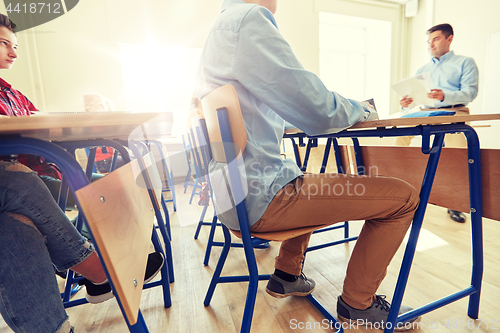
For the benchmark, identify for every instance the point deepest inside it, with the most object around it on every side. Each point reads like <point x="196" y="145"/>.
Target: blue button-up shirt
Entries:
<point x="456" y="75"/>
<point x="245" y="49"/>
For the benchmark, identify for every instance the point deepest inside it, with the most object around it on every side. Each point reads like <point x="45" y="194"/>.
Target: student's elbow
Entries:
<point x="473" y="92"/>
<point x="328" y="125"/>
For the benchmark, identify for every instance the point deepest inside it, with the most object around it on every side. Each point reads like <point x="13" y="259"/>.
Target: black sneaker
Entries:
<point x="279" y="288"/>
<point x="62" y="274"/>
<point x="374" y="316"/>
<point x="457" y="216"/>
<point x="155" y="263"/>
<point x="98" y="293"/>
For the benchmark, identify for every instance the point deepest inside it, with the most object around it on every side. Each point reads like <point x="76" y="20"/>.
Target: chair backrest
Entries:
<point x="119" y="214"/>
<point x="162" y="160"/>
<point x="192" y="125"/>
<point x="224" y="97"/>
<point x="224" y="124"/>
<point x="201" y="136"/>
<point x="187" y="148"/>
<point x="200" y="143"/>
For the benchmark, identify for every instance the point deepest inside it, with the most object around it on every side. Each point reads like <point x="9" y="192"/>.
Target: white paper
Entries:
<point x="417" y="87"/>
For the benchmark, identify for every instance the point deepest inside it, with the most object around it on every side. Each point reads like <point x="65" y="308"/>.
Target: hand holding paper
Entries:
<point x="436" y="94"/>
<point x="417" y="88"/>
<point x="405" y="101"/>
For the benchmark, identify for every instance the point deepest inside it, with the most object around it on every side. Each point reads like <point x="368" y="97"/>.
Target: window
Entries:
<point x="355" y="57"/>
<point x="158" y="78"/>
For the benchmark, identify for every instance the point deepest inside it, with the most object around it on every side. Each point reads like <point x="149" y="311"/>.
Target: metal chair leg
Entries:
<point x="210" y="241"/>
<point x="220" y="265"/>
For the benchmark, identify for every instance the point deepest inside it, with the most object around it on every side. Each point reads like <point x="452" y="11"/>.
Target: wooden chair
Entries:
<point x="198" y="152"/>
<point x="115" y="205"/>
<point x="227" y="136"/>
<point x="193" y="151"/>
<point x="187" y="149"/>
<point x="199" y="134"/>
<point x="161" y="154"/>
<point x="71" y="286"/>
<point x="153" y="183"/>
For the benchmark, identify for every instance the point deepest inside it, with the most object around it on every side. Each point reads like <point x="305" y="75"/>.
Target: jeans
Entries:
<point x="54" y="186"/>
<point x="29" y="295"/>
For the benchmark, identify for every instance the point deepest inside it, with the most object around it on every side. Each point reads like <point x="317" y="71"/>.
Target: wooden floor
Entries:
<point x="441" y="266"/>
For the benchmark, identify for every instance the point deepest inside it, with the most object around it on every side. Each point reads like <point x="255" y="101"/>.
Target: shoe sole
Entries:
<point x="402" y="329"/>
<point x="100" y="298"/>
<point x="104" y="297"/>
<point x="155" y="274"/>
<point x="295" y="293"/>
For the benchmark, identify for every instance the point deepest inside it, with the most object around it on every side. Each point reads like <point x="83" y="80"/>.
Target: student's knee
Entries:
<point x="65" y="327"/>
<point x="18" y="167"/>
<point x="403" y="190"/>
<point x="413" y="196"/>
<point x="22" y="218"/>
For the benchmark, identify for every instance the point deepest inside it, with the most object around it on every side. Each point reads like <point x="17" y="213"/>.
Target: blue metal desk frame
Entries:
<point x="475" y="192"/>
<point x="72" y="171"/>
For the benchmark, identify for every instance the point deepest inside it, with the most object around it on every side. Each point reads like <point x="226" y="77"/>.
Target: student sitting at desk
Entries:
<point x="14" y="104"/>
<point x="244" y="48"/>
<point x="36" y="235"/>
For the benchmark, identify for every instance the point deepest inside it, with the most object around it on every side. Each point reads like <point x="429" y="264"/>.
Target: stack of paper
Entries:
<point x="417" y="87"/>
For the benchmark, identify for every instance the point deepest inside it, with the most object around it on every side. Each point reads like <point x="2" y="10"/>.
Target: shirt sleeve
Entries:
<point x="468" y="85"/>
<point x="265" y="65"/>
<point x="3" y="110"/>
<point x="27" y="103"/>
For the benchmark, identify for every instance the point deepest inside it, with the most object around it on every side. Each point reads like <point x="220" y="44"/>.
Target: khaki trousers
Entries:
<point x="387" y="204"/>
<point x="451" y="140"/>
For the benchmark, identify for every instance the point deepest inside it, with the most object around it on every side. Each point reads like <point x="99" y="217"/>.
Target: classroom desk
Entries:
<point x="39" y="135"/>
<point x="85" y="125"/>
<point x="427" y="127"/>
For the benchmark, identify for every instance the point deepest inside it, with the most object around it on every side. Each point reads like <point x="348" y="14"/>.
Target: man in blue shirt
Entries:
<point x="455" y="82"/>
<point x="244" y="48"/>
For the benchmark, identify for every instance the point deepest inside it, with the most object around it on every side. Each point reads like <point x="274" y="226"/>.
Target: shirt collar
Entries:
<point x="444" y="57"/>
<point x="4" y="83"/>
<point x="227" y="3"/>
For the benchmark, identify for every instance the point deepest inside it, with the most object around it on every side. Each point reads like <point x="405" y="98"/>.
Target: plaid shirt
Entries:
<point x="13" y="103"/>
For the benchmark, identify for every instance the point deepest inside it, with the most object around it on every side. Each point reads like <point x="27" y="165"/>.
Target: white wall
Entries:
<point x="78" y="52"/>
